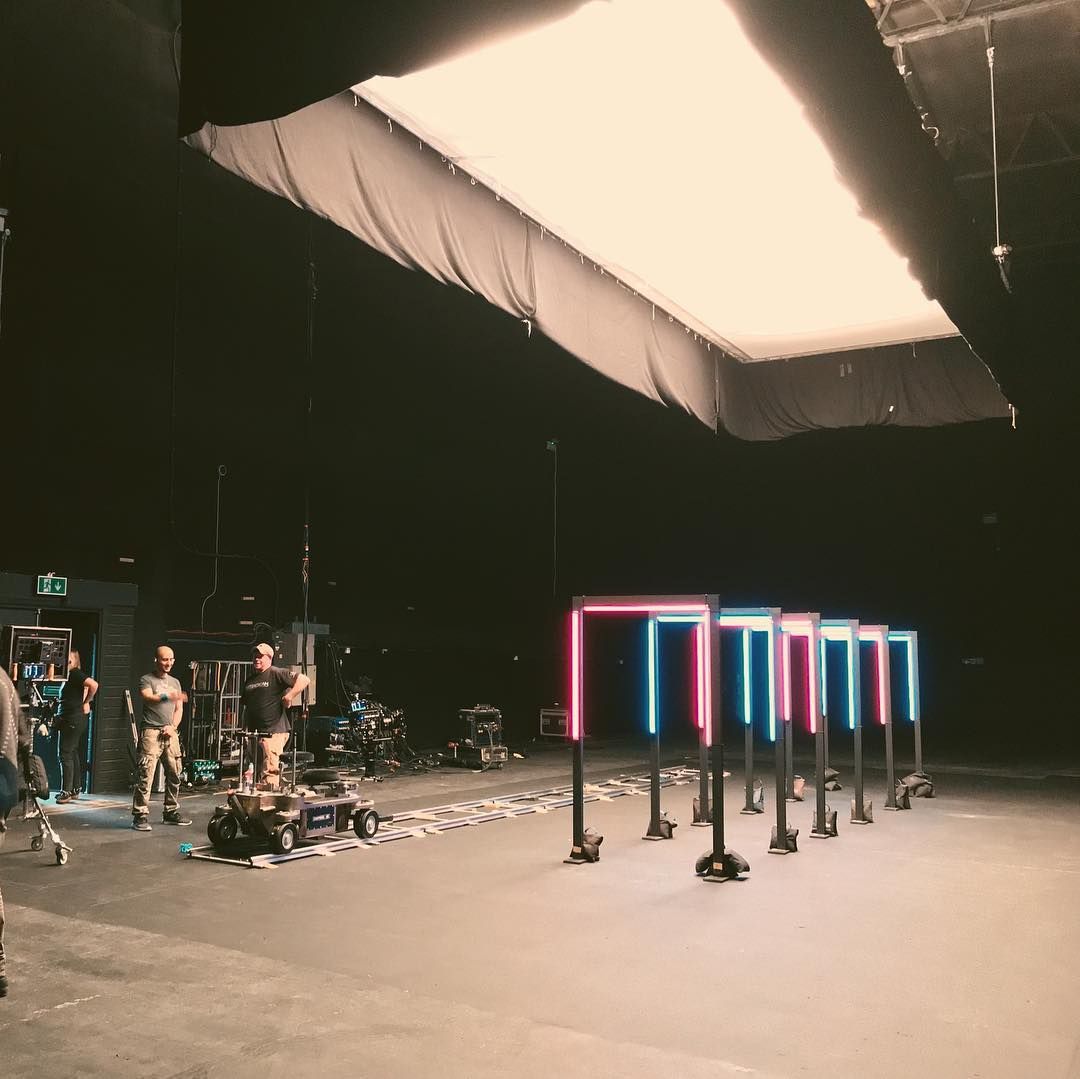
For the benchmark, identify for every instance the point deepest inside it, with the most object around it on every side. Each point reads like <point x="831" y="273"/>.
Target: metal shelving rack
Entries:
<point x="215" y="709"/>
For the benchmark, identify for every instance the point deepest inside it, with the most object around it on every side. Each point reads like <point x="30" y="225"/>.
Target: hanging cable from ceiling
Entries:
<point x="1000" y="251"/>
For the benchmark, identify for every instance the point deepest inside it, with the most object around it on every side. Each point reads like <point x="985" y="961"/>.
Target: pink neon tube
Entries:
<point x="881" y="646"/>
<point x="801" y="629"/>
<point x="643" y="608"/>
<point x="699" y="636"/>
<point x="785" y="661"/>
<point x="706" y="680"/>
<point x="575" y="675"/>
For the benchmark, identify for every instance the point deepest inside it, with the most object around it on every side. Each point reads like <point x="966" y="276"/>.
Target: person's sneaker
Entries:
<point x="141" y="824"/>
<point x="175" y="818"/>
<point x="3" y="986"/>
<point x="65" y="796"/>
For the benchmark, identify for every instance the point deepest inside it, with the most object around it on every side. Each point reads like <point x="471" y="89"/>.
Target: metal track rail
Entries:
<point x="417" y="823"/>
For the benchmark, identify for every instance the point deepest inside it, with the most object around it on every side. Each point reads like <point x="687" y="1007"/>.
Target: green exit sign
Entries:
<point x="52" y="586"/>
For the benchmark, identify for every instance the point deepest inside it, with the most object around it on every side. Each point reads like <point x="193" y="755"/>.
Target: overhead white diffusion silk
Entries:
<point x="656" y="140"/>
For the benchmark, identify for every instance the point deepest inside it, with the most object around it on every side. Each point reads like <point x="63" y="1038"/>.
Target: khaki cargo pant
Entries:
<point x="154" y="746"/>
<point x="270" y="750"/>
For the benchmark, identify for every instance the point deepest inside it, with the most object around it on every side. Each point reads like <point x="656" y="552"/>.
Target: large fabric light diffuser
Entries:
<point x="672" y="231"/>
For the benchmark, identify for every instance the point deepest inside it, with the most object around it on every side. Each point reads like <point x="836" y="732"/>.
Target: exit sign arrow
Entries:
<point x="51" y="585"/>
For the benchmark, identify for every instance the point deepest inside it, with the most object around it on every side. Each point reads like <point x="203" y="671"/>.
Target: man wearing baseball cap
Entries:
<point x="268" y="694"/>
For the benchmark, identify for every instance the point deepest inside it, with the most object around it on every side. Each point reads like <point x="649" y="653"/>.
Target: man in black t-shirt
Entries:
<point x="267" y="695"/>
<point x="79" y="690"/>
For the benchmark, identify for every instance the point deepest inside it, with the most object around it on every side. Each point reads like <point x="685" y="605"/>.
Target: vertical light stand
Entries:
<point x="656" y="830"/>
<point x="721" y="867"/>
<point x="779" y="842"/>
<point x="861" y="813"/>
<point x="824" y="823"/>
<point x="910" y="639"/>
<point x="702" y="815"/>
<point x="748" y="723"/>
<point x="789" y="763"/>
<point x="576" y="730"/>
<point x="879" y="635"/>
<point x="824" y="709"/>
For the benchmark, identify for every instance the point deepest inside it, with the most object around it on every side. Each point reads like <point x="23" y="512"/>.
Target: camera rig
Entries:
<point x="481" y="742"/>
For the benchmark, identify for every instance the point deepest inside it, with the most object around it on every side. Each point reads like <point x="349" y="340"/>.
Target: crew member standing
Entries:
<point x="9" y="782"/>
<point x="268" y="694"/>
<point x="79" y="690"/>
<point x="159" y="739"/>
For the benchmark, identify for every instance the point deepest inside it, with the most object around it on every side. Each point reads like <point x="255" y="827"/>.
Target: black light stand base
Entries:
<point x="578" y="857"/>
<point x="903" y="799"/>
<point x="729" y="867"/>
<point x="701" y="820"/>
<point x="585" y="850"/>
<point x="790" y="844"/>
<point x="758" y="803"/>
<point x="664" y="828"/>
<point x="868" y="813"/>
<point x="588" y="851"/>
<point x="919" y="785"/>
<point x="830" y="825"/>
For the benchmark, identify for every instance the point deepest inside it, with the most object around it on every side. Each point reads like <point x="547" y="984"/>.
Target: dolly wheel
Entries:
<point x="284" y="837"/>
<point x="366" y="824"/>
<point x="222" y="829"/>
<point x="37" y="843"/>
<point x="61" y="856"/>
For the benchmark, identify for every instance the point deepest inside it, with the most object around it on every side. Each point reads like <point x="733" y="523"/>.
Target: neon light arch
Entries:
<point x="687" y="609"/>
<point x="846" y="632"/>
<point x="910" y="639"/>
<point x="804" y="625"/>
<point x="756" y="620"/>
<point x="879" y="637"/>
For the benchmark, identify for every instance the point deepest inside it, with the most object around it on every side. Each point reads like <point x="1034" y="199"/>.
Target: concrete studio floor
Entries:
<point x="944" y="941"/>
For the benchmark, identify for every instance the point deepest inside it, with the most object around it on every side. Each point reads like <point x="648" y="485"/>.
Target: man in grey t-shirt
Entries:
<point x="159" y="739"/>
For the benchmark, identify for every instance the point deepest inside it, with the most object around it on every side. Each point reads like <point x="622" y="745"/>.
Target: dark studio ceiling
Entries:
<point x="940" y="47"/>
